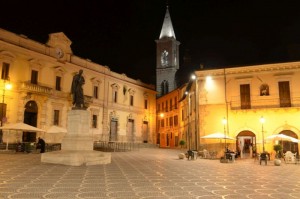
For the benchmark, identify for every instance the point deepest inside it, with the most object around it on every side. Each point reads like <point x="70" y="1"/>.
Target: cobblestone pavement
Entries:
<point x="147" y="174"/>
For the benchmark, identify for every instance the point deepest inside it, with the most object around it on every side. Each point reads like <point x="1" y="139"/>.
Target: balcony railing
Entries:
<point x="35" y="88"/>
<point x="258" y="102"/>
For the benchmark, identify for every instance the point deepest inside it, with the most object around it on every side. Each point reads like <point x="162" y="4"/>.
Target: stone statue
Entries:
<point x="77" y="91"/>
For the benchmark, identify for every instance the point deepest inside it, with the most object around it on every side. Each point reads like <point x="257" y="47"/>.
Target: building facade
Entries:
<point x="254" y="101"/>
<point x="121" y="108"/>
<point x="168" y="119"/>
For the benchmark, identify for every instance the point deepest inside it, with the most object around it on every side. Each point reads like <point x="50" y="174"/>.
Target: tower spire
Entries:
<point x="167" y="28"/>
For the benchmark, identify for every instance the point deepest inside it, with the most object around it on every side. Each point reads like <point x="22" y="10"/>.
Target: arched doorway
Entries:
<point x="246" y="144"/>
<point x="30" y="117"/>
<point x="289" y="145"/>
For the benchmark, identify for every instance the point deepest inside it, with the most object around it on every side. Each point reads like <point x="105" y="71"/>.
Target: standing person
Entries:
<point x="77" y="91"/>
<point x="41" y="144"/>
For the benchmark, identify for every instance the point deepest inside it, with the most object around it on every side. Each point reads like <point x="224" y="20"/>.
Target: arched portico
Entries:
<point x="246" y="144"/>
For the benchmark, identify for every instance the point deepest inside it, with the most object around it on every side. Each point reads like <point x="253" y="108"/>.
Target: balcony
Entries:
<point x="260" y="102"/>
<point x="35" y="88"/>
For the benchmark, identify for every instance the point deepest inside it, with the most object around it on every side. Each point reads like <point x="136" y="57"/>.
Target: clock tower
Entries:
<point x="167" y="57"/>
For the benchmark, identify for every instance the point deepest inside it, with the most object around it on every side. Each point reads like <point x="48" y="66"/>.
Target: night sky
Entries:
<point x="121" y="34"/>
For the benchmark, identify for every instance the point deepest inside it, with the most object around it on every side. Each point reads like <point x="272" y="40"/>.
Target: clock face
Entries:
<point x="164" y="58"/>
<point x="59" y="52"/>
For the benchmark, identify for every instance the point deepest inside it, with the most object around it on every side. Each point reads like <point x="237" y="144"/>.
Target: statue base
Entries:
<point x="77" y="146"/>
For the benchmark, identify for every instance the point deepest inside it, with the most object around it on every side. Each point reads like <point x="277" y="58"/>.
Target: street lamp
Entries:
<point x="262" y="121"/>
<point x="194" y="78"/>
<point x="224" y="121"/>
<point x="7" y="86"/>
<point x="159" y="126"/>
<point x="188" y="128"/>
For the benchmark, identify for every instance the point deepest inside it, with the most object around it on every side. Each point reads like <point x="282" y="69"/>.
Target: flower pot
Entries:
<point x="277" y="162"/>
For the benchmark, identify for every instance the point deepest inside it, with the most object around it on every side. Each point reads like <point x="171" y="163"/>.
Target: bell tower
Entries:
<point x="167" y="57"/>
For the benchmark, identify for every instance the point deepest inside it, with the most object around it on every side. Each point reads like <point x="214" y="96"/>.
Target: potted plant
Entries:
<point x="277" y="148"/>
<point x="181" y="143"/>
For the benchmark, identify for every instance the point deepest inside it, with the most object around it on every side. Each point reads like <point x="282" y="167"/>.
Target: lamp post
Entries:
<point x="262" y="121"/>
<point x="188" y="127"/>
<point x="6" y="86"/>
<point x="224" y="121"/>
<point x="161" y="115"/>
<point x="194" y="78"/>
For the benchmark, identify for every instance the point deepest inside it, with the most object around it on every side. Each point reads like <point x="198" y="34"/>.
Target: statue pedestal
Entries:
<point x="77" y="146"/>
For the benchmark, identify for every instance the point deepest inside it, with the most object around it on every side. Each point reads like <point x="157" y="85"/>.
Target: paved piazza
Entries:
<point x="147" y="173"/>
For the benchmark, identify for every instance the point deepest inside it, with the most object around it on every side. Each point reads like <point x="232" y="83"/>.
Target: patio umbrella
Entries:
<point x="282" y="137"/>
<point x="217" y="136"/>
<point x="20" y="127"/>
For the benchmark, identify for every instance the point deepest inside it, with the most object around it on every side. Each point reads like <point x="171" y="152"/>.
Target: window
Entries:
<point x="167" y="108"/>
<point x="182" y="115"/>
<point x="146" y="104"/>
<point x="131" y="100"/>
<point x="164" y="87"/>
<point x="95" y="94"/>
<point x="56" y="117"/>
<point x="95" y="121"/>
<point x="264" y="90"/>
<point x="176" y="120"/>
<point x="5" y="71"/>
<point x="163" y="107"/>
<point x="58" y="83"/>
<point x="158" y="108"/>
<point x="162" y="122"/>
<point x="284" y="94"/>
<point x="171" y="121"/>
<point x="171" y="104"/>
<point x="34" y="76"/>
<point x="175" y="102"/>
<point x="245" y="96"/>
<point x="115" y="96"/>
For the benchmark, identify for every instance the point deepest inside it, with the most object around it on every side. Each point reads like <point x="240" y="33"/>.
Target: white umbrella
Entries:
<point x="217" y="136"/>
<point x="20" y="127"/>
<point x="282" y="137"/>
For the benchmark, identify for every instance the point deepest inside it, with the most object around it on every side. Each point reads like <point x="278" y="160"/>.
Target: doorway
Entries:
<point x="30" y="118"/>
<point x="289" y="145"/>
<point x="145" y="131"/>
<point x="246" y="144"/>
<point x="113" y="130"/>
